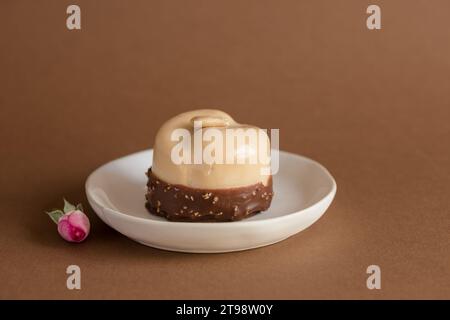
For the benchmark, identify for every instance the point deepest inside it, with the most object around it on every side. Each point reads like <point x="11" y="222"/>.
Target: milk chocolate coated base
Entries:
<point x="180" y="203"/>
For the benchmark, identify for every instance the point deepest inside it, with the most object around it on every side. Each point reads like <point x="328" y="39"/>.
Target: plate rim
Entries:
<point x="228" y="224"/>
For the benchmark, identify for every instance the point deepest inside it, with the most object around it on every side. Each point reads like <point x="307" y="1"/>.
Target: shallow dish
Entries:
<point x="303" y="190"/>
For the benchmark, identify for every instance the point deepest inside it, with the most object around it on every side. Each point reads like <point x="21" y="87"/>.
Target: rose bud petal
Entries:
<point x="74" y="226"/>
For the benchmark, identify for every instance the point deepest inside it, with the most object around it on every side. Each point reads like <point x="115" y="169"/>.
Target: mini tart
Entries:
<point x="181" y="203"/>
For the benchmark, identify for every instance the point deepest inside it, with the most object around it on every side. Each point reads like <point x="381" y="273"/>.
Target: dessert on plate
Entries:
<point x="209" y="168"/>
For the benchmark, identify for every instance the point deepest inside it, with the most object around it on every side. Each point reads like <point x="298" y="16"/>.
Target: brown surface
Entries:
<point x="372" y="106"/>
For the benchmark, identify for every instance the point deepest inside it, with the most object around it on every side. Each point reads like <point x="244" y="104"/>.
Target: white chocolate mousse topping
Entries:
<point x="236" y="165"/>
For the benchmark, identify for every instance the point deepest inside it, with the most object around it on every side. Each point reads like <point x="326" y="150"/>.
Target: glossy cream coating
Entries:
<point x="214" y="175"/>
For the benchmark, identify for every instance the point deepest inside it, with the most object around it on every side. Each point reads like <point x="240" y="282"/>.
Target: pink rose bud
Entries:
<point x="73" y="224"/>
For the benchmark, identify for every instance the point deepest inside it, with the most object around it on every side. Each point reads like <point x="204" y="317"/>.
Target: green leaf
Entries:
<point x="55" y="215"/>
<point x="68" y="206"/>
<point x="80" y="207"/>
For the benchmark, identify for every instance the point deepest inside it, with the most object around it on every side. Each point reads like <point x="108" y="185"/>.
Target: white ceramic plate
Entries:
<point x="303" y="191"/>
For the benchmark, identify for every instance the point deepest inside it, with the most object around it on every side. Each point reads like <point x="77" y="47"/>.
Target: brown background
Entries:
<point x="372" y="106"/>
